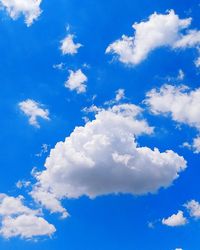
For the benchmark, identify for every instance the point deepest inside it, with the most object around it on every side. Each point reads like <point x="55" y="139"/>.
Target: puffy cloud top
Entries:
<point x="103" y="157"/>
<point x="160" y="30"/>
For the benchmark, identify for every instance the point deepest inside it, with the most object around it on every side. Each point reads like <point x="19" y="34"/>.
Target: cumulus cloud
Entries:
<point x="19" y="220"/>
<point x="175" y="220"/>
<point x="76" y="81"/>
<point x="34" y="110"/>
<point x="194" y="208"/>
<point x="160" y="30"/>
<point x="103" y="157"/>
<point x="68" y="46"/>
<point x="180" y="102"/>
<point x="29" y="8"/>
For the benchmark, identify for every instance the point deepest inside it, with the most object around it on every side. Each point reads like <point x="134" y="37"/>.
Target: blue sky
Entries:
<point x="104" y="214"/>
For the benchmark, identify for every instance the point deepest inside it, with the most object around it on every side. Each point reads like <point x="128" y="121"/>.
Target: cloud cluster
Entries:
<point x="34" y="110"/>
<point x="19" y="220"/>
<point x="29" y="8"/>
<point x="192" y="207"/>
<point x="68" y="46"/>
<point x="76" y="81"/>
<point x="103" y="157"/>
<point x="160" y="30"/>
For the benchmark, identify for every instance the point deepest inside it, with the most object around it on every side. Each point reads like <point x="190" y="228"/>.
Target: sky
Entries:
<point x="100" y="127"/>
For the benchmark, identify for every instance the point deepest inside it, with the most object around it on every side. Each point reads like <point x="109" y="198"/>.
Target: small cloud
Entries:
<point x="76" y="81"/>
<point x="68" y="46"/>
<point x="175" y="220"/>
<point x="34" y="110"/>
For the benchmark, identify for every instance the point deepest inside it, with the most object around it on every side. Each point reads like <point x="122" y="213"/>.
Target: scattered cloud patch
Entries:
<point x="34" y="110"/>
<point x="76" y="81"/>
<point x="193" y="208"/>
<point x="68" y="46"/>
<point x="29" y="8"/>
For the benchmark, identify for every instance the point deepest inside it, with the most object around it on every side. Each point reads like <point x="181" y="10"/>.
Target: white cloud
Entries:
<point x="180" y="102"/>
<point x="34" y="110"/>
<point x="19" y="220"/>
<point x="26" y="226"/>
<point x="68" y="46"/>
<point x="29" y="8"/>
<point x="194" y="208"/>
<point x="160" y="30"/>
<point x="181" y="75"/>
<point x="21" y="183"/>
<point x="48" y="200"/>
<point x="194" y="146"/>
<point x="77" y="81"/>
<point x="190" y="40"/>
<point x="120" y="94"/>
<point x="103" y="157"/>
<point x="175" y="220"/>
<point x="178" y="249"/>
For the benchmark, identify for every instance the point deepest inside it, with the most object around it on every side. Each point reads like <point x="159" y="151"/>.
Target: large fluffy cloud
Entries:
<point x="34" y="110"/>
<point x="158" y="31"/>
<point x="29" y="8"/>
<point x="103" y="157"/>
<point x="19" y="220"/>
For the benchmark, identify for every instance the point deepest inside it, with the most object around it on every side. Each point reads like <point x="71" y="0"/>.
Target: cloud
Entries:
<point x="68" y="46"/>
<point x="181" y="103"/>
<point x="103" y="157"/>
<point x="120" y="94"/>
<point x="19" y="220"/>
<point x="194" y="146"/>
<point x="77" y="81"/>
<point x="34" y="110"/>
<point x="194" y="208"/>
<point x="175" y="220"/>
<point x="160" y="30"/>
<point x="29" y="8"/>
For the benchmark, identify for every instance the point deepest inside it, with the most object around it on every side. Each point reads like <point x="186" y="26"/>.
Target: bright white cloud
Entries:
<point x="103" y="157"/>
<point x="77" y="81"/>
<point x="68" y="46"/>
<point x="26" y="226"/>
<point x="160" y="30"/>
<point x="194" y="208"/>
<point x="34" y="110"/>
<point x="190" y="40"/>
<point x="180" y="102"/>
<point x="175" y="220"/>
<point x="19" y="220"/>
<point x="29" y="8"/>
